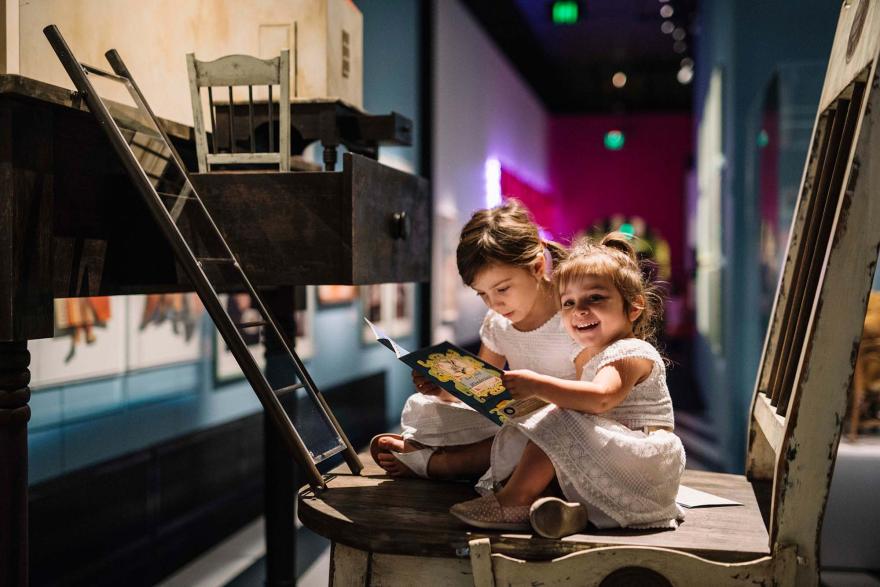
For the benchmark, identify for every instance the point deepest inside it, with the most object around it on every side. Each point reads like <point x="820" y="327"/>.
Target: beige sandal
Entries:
<point x="486" y="512"/>
<point x="552" y="517"/>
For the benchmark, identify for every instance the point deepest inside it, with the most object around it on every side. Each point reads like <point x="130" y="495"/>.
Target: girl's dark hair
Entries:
<point x="616" y="258"/>
<point x="504" y="235"/>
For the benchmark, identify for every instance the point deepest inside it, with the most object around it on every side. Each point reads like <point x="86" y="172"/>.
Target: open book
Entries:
<point x="464" y="375"/>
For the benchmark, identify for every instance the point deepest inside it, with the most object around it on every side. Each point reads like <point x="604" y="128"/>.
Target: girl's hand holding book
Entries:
<point x="425" y="386"/>
<point x="522" y="383"/>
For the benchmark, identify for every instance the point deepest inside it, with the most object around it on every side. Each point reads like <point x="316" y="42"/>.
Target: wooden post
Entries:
<point x="14" y="416"/>
<point x="280" y="469"/>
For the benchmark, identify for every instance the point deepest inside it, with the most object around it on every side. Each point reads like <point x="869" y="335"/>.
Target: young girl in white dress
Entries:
<point x="606" y="439"/>
<point x="502" y="256"/>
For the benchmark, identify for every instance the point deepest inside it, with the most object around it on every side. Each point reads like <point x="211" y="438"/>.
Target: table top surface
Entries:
<point x="378" y="513"/>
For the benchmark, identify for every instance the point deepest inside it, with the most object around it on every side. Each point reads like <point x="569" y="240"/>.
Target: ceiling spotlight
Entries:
<point x="618" y="80"/>
<point x="679" y="34"/>
<point x="685" y="75"/>
<point x="667" y="27"/>
<point x="679" y="47"/>
<point x="687" y="62"/>
<point x="666" y="11"/>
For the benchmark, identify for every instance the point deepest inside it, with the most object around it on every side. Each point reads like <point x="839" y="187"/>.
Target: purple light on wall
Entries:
<point x="492" y="174"/>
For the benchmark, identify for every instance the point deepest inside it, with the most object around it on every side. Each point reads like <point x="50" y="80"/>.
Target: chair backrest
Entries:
<point x="803" y="382"/>
<point x="241" y="146"/>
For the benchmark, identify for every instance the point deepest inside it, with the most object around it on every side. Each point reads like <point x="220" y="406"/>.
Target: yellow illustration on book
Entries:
<point x="470" y="376"/>
<point x="499" y="411"/>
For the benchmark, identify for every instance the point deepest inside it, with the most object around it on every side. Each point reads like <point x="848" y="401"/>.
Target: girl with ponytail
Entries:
<point x="503" y="258"/>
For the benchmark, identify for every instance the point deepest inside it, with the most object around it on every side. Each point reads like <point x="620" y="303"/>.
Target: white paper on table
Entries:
<point x="694" y="498"/>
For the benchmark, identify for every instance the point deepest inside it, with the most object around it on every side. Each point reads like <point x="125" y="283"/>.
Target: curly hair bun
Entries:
<point x="621" y="242"/>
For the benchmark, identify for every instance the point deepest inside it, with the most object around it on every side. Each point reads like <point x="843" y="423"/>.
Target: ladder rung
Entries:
<point x="216" y="260"/>
<point x="326" y="455"/>
<point x="175" y="196"/>
<point x="288" y="389"/>
<point x="245" y="325"/>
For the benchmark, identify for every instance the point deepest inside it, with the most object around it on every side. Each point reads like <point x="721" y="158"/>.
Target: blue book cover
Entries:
<point x="464" y="375"/>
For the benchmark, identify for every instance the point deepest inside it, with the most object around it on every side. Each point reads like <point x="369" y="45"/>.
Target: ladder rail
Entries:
<point x="351" y="458"/>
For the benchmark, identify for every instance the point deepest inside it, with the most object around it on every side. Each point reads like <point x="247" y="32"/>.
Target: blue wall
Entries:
<point x="748" y="40"/>
<point x="80" y="424"/>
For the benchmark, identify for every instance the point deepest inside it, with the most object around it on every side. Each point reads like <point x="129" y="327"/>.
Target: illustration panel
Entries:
<point x="336" y="295"/>
<point x="305" y="325"/>
<point x="89" y="342"/>
<point x="240" y="309"/>
<point x="164" y="329"/>
<point x="402" y="303"/>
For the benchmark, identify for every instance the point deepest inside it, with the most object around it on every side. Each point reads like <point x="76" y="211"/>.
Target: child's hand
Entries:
<point x="522" y="383"/>
<point x="425" y="386"/>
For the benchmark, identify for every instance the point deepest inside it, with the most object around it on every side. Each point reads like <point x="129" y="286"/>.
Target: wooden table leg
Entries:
<point x="14" y="416"/>
<point x="329" y="156"/>
<point x="349" y="567"/>
<point x="280" y="470"/>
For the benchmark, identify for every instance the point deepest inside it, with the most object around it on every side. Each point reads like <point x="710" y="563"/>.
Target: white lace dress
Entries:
<point x="623" y="475"/>
<point x="545" y="349"/>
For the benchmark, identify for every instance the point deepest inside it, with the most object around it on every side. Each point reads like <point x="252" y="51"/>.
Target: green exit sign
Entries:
<point x="565" y="12"/>
<point x="614" y="140"/>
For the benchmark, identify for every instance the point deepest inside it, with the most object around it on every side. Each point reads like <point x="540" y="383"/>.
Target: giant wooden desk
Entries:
<point x="72" y="224"/>
<point x="387" y="531"/>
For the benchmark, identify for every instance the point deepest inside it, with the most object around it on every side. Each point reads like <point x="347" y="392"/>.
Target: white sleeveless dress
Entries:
<point x="623" y="475"/>
<point x="545" y="349"/>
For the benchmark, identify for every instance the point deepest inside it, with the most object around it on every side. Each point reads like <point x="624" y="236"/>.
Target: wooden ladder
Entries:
<point x="157" y="170"/>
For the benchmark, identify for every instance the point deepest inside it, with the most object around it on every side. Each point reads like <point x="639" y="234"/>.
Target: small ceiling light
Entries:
<point x="679" y="46"/>
<point x="687" y="62"/>
<point x="614" y="140"/>
<point x="666" y="11"/>
<point x="679" y="34"/>
<point x="667" y="27"/>
<point x="565" y="12"/>
<point x="685" y="75"/>
<point x="618" y="80"/>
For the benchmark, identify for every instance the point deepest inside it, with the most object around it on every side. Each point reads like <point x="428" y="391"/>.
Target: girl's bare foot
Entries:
<point x="394" y="443"/>
<point x="449" y="462"/>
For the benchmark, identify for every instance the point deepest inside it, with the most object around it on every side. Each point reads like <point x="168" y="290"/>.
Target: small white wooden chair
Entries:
<point x="239" y="71"/>
<point x="800" y="397"/>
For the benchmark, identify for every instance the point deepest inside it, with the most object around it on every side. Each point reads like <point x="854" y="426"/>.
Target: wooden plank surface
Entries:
<point x="380" y="514"/>
<point x="30" y="88"/>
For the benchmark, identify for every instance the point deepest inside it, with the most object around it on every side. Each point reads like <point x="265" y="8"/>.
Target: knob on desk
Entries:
<point x="401" y="225"/>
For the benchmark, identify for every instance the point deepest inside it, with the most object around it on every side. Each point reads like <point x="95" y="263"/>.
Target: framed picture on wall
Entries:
<point x="402" y="306"/>
<point x="336" y="295"/>
<point x="89" y="342"/>
<point x="164" y="329"/>
<point x="374" y="305"/>
<point x="305" y="326"/>
<point x="240" y="309"/>
<point x="446" y="271"/>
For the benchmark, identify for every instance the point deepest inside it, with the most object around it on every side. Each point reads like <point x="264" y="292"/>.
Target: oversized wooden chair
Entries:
<point x="230" y="72"/>
<point x="399" y="532"/>
<point x="800" y="397"/>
